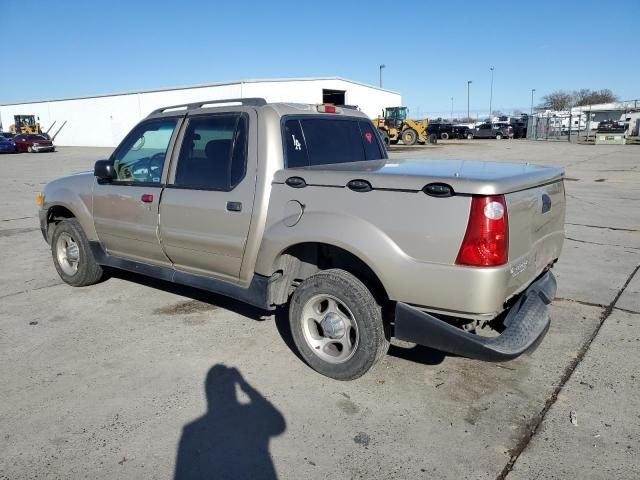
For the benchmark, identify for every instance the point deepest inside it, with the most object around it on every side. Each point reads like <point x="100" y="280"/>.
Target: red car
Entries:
<point x="33" y="143"/>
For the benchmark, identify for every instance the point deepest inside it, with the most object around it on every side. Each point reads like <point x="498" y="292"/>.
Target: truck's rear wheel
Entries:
<point x="337" y="325"/>
<point x="72" y="255"/>
<point x="444" y="136"/>
<point x="409" y="136"/>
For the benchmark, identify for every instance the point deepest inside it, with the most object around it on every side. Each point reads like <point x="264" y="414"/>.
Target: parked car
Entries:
<point x="443" y="131"/>
<point x="488" y="130"/>
<point x="33" y="143"/>
<point x="282" y="204"/>
<point x="611" y="126"/>
<point x="7" y="145"/>
<point x="8" y="135"/>
<point x="462" y="131"/>
<point x="518" y="127"/>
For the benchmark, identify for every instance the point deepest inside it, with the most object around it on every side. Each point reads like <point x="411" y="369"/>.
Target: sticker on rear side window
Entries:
<point x="368" y="136"/>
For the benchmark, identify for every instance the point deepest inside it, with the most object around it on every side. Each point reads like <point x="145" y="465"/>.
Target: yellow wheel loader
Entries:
<point x="25" y="124"/>
<point x="394" y="125"/>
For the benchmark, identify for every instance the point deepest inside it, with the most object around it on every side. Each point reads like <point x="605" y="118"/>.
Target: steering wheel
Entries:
<point x="148" y="169"/>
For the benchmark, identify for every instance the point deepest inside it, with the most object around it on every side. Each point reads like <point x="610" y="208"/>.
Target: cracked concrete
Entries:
<point x="99" y="382"/>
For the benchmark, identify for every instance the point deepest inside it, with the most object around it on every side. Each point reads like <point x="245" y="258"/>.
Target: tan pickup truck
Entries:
<point x="299" y="205"/>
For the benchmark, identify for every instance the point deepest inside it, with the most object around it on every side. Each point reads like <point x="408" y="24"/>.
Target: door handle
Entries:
<point x="234" y="206"/>
<point x="146" y="198"/>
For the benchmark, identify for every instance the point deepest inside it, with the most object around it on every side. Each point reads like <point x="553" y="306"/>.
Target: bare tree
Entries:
<point x="563" y="100"/>
<point x="558" y="100"/>
<point x="591" y="97"/>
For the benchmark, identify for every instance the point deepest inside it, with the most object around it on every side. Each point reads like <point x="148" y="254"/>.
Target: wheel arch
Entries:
<point x="57" y="211"/>
<point x="299" y="261"/>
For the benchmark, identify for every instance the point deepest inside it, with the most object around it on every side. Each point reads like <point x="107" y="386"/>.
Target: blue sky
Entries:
<point x="74" y="48"/>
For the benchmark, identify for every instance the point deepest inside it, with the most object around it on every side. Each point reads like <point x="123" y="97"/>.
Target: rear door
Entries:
<point x="207" y="204"/>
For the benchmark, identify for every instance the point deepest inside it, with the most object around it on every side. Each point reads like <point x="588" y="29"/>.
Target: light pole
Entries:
<point x="532" y="90"/>
<point x="381" y="67"/>
<point x="491" y="97"/>
<point x="469" y="82"/>
<point x="451" y="109"/>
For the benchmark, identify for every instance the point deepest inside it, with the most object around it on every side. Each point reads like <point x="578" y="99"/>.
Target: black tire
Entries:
<point x="88" y="270"/>
<point x="372" y="342"/>
<point x="498" y="136"/>
<point x="469" y="136"/>
<point x="444" y="136"/>
<point x="30" y="149"/>
<point x="409" y="136"/>
<point x="385" y="137"/>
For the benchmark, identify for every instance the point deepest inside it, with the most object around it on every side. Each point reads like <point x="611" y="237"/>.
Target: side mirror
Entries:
<point x="104" y="170"/>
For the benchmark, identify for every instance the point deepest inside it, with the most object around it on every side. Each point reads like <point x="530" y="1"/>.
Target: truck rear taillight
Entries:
<point x="486" y="241"/>
<point x="328" y="108"/>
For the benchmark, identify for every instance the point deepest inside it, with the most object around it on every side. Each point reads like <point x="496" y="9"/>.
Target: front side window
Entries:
<point x="214" y="152"/>
<point x="324" y="141"/>
<point x="141" y="157"/>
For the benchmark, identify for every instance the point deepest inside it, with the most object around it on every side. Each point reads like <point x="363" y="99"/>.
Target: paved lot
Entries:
<point x="128" y="378"/>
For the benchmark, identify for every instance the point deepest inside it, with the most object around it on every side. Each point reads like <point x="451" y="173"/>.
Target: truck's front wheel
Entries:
<point x="72" y="255"/>
<point x="337" y="325"/>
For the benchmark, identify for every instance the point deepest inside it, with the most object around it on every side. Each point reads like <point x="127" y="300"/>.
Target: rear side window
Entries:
<point x="320" y="141"/>
<point x="214" y="152"/>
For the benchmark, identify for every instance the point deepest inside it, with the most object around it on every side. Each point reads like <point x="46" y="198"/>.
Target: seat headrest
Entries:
<point x="217" y="149"/>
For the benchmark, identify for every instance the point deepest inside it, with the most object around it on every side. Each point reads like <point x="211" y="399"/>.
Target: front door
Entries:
<point x="125" y="210"/>
<point x="206" y="207"/>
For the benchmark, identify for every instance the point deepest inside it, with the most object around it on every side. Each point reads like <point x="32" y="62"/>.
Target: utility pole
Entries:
<point x="491" y="97"/>
<point x="381" y="67"/>
<point x="469" y="82"/>
<point x="532" y="91"/>
<point x="451" y="109"/>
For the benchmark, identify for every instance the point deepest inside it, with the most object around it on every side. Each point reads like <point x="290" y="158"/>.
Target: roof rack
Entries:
<point x="252" y="101"/>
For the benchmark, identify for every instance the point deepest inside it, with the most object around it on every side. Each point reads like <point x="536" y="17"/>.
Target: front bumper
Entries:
<point x="42" y="215"/>
<point x="526" y="324"/>
<point x="43" y="148"/>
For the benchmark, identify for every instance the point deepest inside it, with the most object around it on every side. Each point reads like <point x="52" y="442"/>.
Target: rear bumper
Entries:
<point x="526" y="324"/>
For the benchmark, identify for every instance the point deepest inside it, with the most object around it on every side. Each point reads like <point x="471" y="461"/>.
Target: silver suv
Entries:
<point x="298" y="206"/>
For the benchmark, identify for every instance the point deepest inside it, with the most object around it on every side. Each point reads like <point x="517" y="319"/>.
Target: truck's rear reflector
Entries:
<point x="486" y="241"/>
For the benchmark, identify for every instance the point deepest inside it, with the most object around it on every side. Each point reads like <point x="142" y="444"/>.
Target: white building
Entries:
<point x="103" y="120"/>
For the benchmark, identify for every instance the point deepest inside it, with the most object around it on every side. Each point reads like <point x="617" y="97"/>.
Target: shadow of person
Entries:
<point x="231" y="440"/>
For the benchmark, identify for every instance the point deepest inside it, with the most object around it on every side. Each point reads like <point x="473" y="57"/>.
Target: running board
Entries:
<point x="257" y="294"/>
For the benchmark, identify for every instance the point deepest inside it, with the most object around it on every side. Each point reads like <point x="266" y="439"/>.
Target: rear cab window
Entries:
<point x="311" y="140"/>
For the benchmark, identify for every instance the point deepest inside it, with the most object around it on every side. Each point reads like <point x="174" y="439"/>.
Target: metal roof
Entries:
<point x="188" y="87"/>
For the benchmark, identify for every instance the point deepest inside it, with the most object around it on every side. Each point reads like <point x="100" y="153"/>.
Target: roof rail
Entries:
<point x="252" y="101"/>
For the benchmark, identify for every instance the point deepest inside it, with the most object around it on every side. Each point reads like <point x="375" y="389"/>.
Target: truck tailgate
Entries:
<point x="536" y="231"/>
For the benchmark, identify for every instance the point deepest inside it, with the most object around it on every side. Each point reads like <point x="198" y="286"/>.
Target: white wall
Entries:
<point x="104" y="121"/>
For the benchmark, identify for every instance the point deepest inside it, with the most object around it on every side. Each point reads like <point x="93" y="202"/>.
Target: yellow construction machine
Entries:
<point x="394" y="125"/>
<point x="25" y="124"/>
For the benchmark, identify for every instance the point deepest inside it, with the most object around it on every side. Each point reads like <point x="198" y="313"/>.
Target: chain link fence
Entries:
<point x="581" y="124"/>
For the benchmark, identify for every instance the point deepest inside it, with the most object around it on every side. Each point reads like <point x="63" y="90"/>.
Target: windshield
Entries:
<point x="313" y="141"/>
